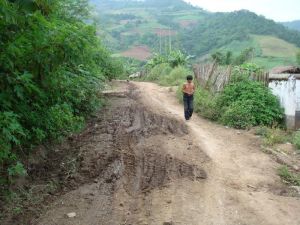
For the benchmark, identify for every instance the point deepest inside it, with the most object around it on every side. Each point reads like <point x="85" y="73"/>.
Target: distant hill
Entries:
<point x="164" y="24"/>
<point x="119" y="4"/>
<point x="222" y="28"/>
<point x="293" y="24"/>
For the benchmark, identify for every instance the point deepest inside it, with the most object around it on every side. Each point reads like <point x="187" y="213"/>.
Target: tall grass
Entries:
<point x="165" y="75"/>
<point x="175" y="77"/>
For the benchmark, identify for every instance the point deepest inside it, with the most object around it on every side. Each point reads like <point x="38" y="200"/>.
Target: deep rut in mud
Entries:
<point x="142" y="167"/>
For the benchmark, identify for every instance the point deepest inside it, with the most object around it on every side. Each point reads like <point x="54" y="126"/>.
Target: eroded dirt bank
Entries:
<point x="140" y="163"/>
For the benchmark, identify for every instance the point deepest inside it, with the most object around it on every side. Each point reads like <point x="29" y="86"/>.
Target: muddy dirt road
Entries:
<point x="150" y="167"/>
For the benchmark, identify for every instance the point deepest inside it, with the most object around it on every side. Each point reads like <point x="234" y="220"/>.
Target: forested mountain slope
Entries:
<point x="162" y="25"/>
<point x="293" y="24"/>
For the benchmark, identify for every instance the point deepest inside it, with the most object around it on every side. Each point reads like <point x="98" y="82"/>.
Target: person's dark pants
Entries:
<point x="188" y="101"/>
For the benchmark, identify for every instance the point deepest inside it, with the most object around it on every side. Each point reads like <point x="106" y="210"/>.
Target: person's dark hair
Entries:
<point x="189" y="77"/>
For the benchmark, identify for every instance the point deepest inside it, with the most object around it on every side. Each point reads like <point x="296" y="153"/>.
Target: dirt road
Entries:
<point x="150" y="167"/>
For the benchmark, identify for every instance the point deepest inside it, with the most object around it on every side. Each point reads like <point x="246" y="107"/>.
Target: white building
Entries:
<point x="285" y="83"/>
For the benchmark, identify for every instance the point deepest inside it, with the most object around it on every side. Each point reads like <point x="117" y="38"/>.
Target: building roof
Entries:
<point x="285" y="70"/>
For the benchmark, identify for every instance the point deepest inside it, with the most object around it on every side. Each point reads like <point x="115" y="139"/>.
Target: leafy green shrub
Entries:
<point x="254" y="99"/>
<point x="10" y="129"/>
<point x="174" y="59"/>
<point x="156" y="60"/>
<point x="84" y="100"/>
<point x="177" y="58"/>
<point x="262" y="131"/>
<point x="16" y="170"/>
<point x="158" y="72"/>
<point x="62" y="121"/>
<point x="11" y="133"/>
<point x="239" y="115"/>
<point x="175" y="77"/>
<point x="205" y="104"/>
<point x="243" y="103"/>
<point x="129" y="66"/>
<point x="53" y="66"/>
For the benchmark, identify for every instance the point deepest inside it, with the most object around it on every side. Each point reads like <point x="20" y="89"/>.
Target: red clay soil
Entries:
<point x="138" y="52"/>
<point x="164" y="32"/>
<point x="187" y="23"/>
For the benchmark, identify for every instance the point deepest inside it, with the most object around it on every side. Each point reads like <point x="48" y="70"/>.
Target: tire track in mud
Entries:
<point x="129" y="153"/>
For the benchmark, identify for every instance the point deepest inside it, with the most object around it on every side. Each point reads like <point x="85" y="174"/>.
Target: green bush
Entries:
<point x="53" y="66"/>
<point x="11" y="133"/>
<point x="262" y="131"/>
<point x="205" y="104"/>
<point x="242" y="104"/>
<point x="254" y="99"/>
<point x="62" y="121"/>
<point x="158" y="72"/>
<point x="175" y="77"/>
<point x="239" y="115"/>
<point x="166" y="75"/>
<point x="173" y="58"/>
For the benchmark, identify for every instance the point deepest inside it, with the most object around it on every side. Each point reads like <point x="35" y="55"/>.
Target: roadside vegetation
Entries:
<point x="288" y="176"/>
<point x="273" y="136"/>
<point x="168" y="70"/>
<point x="52" y="68"/>
<point x="242" y="104"/>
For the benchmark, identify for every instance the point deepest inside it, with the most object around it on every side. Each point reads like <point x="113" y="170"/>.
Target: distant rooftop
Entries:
<point x="285" y="70"/>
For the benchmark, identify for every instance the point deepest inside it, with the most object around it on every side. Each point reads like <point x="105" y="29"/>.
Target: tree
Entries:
<point x="177" y="58"/>
<point x="52" y="67"/>
<point x="221" y="59"/>
<point x="174" y="59"/>
<point x="218" y="57"/>
<point x="228" y="58"/>
<point x="244" y="56"/>
<point x="75" y="9"/>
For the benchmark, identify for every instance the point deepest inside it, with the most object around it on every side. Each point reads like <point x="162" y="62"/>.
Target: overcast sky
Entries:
<point x="278" y="10"/>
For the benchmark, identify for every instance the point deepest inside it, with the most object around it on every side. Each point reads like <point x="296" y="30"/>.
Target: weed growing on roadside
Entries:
<point x="275" y="136"/>
<point x="288" y="176"/>
<point x="296" y="140"/>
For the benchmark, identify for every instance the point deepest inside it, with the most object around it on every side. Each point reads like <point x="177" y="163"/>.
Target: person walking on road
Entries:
<point x="188" y="90"/>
